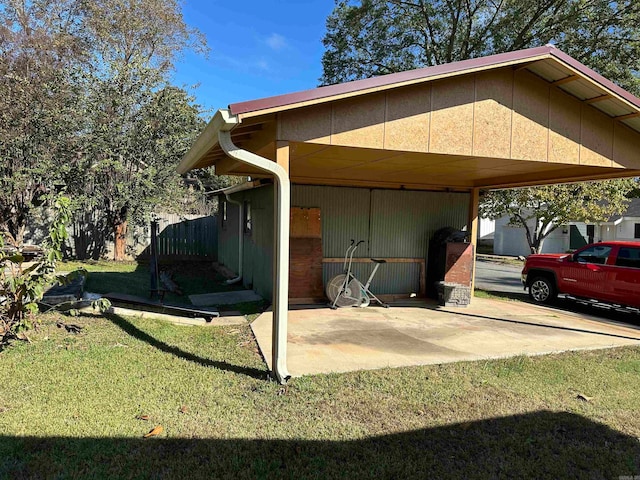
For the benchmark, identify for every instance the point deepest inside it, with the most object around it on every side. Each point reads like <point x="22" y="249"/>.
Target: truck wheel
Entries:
<point x="542" y="290"/>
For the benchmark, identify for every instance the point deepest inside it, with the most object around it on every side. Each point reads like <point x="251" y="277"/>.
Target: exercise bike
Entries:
<point x="345" y="290"/>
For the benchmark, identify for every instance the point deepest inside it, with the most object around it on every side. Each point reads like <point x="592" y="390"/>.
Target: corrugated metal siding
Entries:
<point x="394" y="223"/>
<point x="258" y="246"/>
<point x="402" y="222"/>
<point x="344" y="213"/>
<point x="228" y="237"/>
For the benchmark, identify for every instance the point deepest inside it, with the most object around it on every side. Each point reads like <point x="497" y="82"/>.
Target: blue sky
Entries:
<point x="258" y="49"/>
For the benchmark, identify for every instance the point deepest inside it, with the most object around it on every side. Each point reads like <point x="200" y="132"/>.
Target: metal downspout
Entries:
<point x="281" y="260"/>
<point x="240" y="238"/>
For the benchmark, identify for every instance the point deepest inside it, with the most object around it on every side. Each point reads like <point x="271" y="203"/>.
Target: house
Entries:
<point x="390" y="160"/>
<point x="511" y="240"/>
<point x="486" y="232"/>
<point x="625" y="226"/>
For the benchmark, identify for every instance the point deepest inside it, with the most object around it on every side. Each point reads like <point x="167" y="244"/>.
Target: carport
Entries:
<point x="523" y="118"/>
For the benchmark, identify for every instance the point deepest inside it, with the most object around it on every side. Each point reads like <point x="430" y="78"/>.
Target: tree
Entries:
<point x="549" y="207"/>
<point x="138" y="126"/>
<point x="128" y="171"/>
<point x="86" y="103"/>
<point x="374" y="37"/>
<point x="40" y="48"/>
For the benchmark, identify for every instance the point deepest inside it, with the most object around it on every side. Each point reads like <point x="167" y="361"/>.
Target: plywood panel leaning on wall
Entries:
<point x="305" y="272"/>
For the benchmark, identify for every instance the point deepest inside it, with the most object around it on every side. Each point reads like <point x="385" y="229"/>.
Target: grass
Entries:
<point x="68" y="408"/>
<point x="509" y="297"/>
<point x="484" y="249"/>
<point x="133" y="278"/>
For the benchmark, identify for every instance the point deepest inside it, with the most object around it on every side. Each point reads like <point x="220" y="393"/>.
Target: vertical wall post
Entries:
<point x="282" y="155"/>
<point x="474" y="200"/>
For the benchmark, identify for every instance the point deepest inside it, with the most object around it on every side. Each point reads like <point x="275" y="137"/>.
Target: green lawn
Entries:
<point x="68" y="408"/>
<point x="134" y="278"/>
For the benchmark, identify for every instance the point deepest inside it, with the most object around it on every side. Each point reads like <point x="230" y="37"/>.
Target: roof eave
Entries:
<point x="222" y="120"/>
<point x="596" y="79"/>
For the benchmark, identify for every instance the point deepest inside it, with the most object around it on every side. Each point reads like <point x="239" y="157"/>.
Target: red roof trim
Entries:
<point x="426" y="73"/>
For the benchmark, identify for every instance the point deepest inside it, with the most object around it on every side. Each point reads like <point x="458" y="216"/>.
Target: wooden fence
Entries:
<point x="189" y="239"/>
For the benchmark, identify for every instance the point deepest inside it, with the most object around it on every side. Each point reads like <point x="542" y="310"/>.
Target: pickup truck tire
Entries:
<point x="542" y="289"/>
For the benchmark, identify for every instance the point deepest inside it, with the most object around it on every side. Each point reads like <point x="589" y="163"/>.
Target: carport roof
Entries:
<point x="521" y="118"/>
<point x="547" y="62"/>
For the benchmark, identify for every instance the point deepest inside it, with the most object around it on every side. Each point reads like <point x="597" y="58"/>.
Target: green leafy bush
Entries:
<point x="22" y="287"/>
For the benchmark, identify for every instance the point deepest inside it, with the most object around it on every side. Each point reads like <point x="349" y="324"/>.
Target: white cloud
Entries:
<point x="262" y="64"/>
<point x="276" y="41"/>
<point x="242" y="64"/>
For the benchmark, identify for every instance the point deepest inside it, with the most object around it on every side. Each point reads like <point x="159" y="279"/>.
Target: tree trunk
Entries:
<point x="19" y="235"/>
<point x="120" y="241"/>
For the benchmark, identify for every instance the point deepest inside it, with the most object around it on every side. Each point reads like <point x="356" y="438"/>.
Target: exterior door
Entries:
<point x="626" y="276"/>
<point x="577" y="236"/>
<point x="588" y="274"/>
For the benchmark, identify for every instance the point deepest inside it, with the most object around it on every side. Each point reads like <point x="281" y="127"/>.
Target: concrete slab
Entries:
<point x="224" y="298"/>
<point x="179" y="320"/>
<point x="322" y="340"/>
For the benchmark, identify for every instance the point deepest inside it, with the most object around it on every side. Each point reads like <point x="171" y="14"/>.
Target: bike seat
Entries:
<point x="376" y="260"/>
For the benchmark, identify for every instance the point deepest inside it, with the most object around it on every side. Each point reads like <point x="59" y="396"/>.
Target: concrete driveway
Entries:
<point x="322" y="340"/>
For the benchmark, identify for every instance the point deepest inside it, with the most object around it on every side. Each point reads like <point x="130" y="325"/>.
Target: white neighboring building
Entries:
<point x="625" y="226"/>
<point x="486" y="229"/>
<point x="511" y="240"/>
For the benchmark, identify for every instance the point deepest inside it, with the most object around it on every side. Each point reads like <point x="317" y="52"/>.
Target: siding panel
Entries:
<point x="402" y="222"/>
<point x="228" y="237"/>
<point x="344" y="213"/>
<point x="258" y="246"/>
<point x="400" y="225"/>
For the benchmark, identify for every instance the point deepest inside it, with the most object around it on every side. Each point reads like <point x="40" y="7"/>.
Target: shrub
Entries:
<point x="22" y="288"/>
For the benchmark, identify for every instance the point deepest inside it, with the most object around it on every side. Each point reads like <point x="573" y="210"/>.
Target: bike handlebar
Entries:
<point x="361" y="241"/>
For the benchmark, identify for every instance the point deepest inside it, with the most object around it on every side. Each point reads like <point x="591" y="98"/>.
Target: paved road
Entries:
<point x="498" y="277"/>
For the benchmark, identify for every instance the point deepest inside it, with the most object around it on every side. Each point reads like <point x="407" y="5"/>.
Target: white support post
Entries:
<point x="472" y="228"/>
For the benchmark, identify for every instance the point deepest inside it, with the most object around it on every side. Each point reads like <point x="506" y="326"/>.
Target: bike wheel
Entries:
<point x="349" y="296"/>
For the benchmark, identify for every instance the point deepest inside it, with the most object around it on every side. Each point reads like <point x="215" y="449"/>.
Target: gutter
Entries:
<point x="226" y="122"/>
<point x="241" y="187"/>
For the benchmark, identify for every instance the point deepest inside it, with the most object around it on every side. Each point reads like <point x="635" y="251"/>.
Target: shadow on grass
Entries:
<point x="135" y="332"/>
<point x="191" y="277"/>
<point x="536" y="445"/>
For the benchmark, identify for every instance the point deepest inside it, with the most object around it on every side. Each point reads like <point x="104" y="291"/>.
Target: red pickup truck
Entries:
<point x="608" y="272"/>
